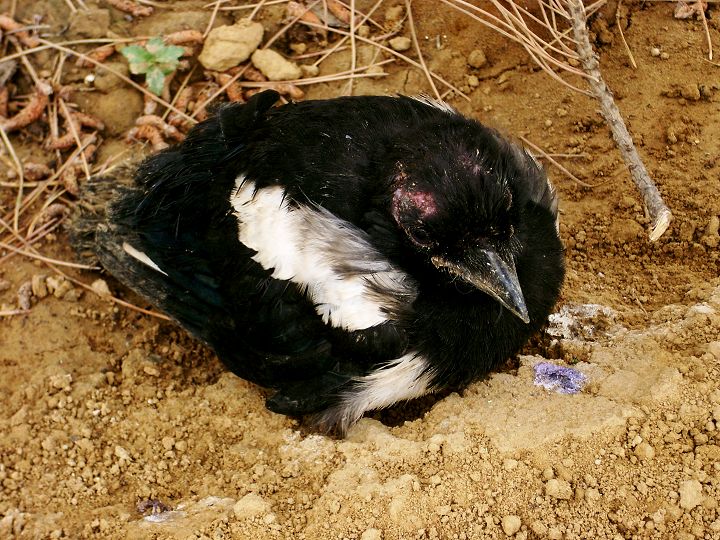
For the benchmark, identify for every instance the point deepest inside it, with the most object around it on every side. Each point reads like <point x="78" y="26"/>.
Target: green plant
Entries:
<point x="155" y="60"/>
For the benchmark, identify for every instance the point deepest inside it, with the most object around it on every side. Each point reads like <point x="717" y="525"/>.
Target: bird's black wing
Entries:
<point x="177" y="215"/>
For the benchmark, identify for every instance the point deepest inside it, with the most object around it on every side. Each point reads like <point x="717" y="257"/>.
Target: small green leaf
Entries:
<point x="155" y="79"/>
<point x="154" y="45"/>
<point x="138" y="58"/>
<point x="169" y="54"/>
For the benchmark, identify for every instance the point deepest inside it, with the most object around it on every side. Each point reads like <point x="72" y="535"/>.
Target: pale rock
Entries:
<point x="122" y="454"/>
<point x="39" y="287"/>
<point x="227" y="46"/>
<point x="274" y="66"/>
<point x="477" y="58"/>
<point x="644" y="451"/>
<point x="558" y="489"/>
<point x="309" y="71"/>
<point x="511" y="524"/>
<point x="371" y="534"/>
<point x="400" y="43"/>
<point x="691" y="494"/>
<point x="250" y="506"/>
<point x="100" y="287"/>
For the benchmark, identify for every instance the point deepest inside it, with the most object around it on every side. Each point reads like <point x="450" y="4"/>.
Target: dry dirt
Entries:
<point x="103" y="408"/>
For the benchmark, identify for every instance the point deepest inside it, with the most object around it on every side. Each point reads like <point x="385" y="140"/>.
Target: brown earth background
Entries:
<point x="102" y="408"/>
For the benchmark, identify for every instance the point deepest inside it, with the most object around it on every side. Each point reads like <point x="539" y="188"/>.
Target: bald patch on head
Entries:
<point x="422" y="201"/>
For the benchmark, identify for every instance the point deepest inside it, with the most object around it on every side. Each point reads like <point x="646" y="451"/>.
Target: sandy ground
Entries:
<point x="103" y="408"/>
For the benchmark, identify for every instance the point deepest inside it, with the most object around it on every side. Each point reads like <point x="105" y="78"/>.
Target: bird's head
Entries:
<point x="464" y="210"/>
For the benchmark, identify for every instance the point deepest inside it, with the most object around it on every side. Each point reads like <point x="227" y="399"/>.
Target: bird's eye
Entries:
<point x="420" y="237"/>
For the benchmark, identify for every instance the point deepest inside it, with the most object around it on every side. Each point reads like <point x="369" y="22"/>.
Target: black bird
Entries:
<point x="349" y="253"/>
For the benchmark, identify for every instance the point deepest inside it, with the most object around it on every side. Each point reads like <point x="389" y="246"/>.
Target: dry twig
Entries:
<point x="659" y="214"/>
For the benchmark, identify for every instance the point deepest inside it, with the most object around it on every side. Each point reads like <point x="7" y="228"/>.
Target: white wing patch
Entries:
<point x="432" y="102"/>
<point x="404" y="378"/>
<point x="142" y="257"/>
<point x="310" y="247"/>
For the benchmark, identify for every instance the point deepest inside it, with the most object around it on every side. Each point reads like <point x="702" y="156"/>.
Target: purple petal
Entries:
<point x="561" y="379"/>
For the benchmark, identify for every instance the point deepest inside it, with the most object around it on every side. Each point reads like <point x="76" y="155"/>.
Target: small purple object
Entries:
<point x="563" y="380"/>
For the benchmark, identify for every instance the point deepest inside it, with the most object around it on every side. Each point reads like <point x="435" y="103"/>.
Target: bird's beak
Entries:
<point x="485" y="269"/>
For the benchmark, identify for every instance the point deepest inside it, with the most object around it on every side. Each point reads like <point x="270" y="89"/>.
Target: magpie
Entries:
<point x="348" y="253"/>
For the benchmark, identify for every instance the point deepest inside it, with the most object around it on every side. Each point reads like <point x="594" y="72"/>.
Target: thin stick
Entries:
<point x="707" y="31"/>
<point x="288" y="25"/>
<point x="659" y="214"/>
<point x="413" y="34"/>
<point x="73" y="129"/>
<point x="257" y="9"/>
<point x="218" y="92"/>
<point x="21" y="178"/>
<point x="47" y="259"/>
<point x="71" y="6"/>
<point x="622" y="35"/>
<point x="212" y="18"/>
<point x="12" y="312"/>
<point x="547" y="156"/>
<point x="248" y="6"/>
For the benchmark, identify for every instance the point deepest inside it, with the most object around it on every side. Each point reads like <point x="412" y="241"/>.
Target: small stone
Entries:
<point x="477" y="58"/>
<point x="100" y="287"/>
<point x="298" y="48"/>
<point x="60" y="381"/>
<point x="691" y="494"/>
<point x="554" y="534"/>
<point x="250" y="506"/>
<point x="122" y="454"/>
<point x="363" y="31"/>
<point x="309" y="71"/>
<point x="400" y="43"/>
<point x="511" y="524"/>
<point x="690" y="91"/>
<point x="561" y="112"/>
<point x="151" y="370"/>
<point x="713" y="226"/>
<point x="558" y="489"/>
<point x="371" y="534"/>
<point x="539" y="528"/>
<point x="227" y="46"/>
<point x="274" y="66"/>
<point x="510" y="464"/>
<point x="375" y="71"/>
<point x="655" y="51"/>
<point x="644" y="451"/>
<point x="168" y="443"/>
<point x="548" y="123"/>
<point x="473" y="81"/>
<point x="39" y="287"/>
<point x="664" y="55"/>
<point x="394" y="13"/>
